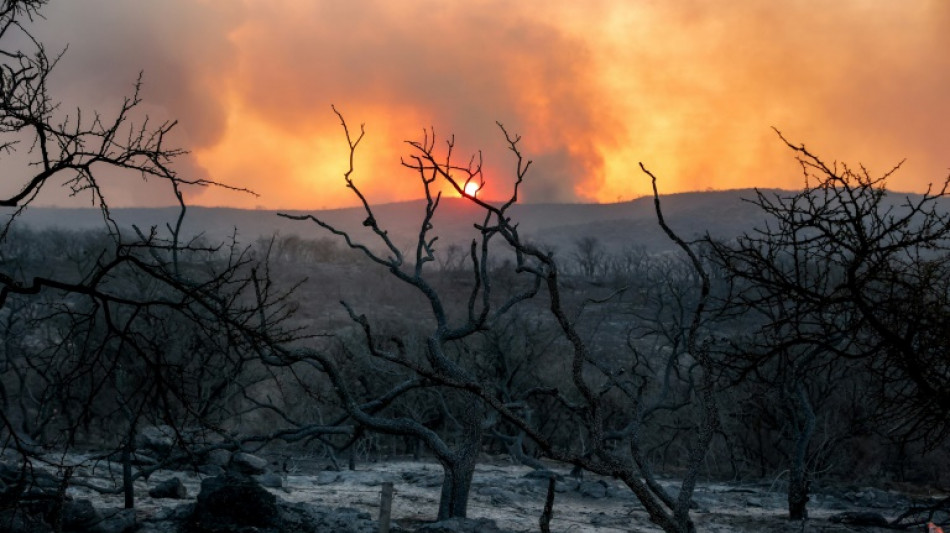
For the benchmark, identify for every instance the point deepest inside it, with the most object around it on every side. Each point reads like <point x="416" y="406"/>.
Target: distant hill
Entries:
<point x="722" y="214"/>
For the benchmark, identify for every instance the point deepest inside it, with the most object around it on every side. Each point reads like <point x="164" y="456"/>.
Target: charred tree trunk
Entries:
<point x="128" y="485"/>
<point x="798" y="476"/>
<point x="798" y="497"/>
<point x="545" y="520"/>
<point x="460" y="467"/>
<point x="456" y="486"/>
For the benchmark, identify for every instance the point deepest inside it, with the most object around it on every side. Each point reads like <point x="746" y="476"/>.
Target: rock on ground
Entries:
<point x="462" y="525"/>
<point x="247" y="463"/>
<point x="269" y="480"/>
<point x="157" y="439"/>
<point x="117" y="521"/>
<point x="170" y="488"/>
<point x="305" y="518"/>
<point x="233" y="502"/>
<point x="219" y="457"/>
<point x="859" y="518"/>
<point x="80" y="515"/>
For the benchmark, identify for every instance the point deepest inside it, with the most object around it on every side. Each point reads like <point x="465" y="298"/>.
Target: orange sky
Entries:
<point x="689" y="87"/>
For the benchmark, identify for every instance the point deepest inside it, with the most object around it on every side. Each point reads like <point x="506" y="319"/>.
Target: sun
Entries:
<point x="471" y="188"/>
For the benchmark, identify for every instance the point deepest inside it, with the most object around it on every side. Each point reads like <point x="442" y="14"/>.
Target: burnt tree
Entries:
<point x="585" y="395"/>
<point x="847" y="275"/>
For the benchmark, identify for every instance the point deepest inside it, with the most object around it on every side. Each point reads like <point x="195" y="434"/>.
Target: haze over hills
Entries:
<point x="722" y="214"/>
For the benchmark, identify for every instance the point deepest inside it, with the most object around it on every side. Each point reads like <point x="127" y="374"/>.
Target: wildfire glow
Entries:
<point x="691" y="88"/>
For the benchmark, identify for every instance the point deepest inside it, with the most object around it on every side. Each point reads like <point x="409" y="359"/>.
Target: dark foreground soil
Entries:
<point x="505" y="497"/>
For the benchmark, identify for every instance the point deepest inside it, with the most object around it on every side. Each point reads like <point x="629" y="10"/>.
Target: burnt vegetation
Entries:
<point x="811" y="349"/>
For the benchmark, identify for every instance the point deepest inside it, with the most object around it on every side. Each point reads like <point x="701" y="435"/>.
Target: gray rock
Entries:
<point x="941" y="517"/>
<point x="462" y="525"/>
<point x="170" y="488"/>
<point x="423" y="479"/>
<point x="140" y="459"/>
<point x="248" y="463"/>
<point x="270" y="480"/>
<point x="15" y="477"/>
<point x="836" y="505"/>
<point x="859" y="518"/>
<point x="882" y="499"/>
<point x="211" y="470"/>
<point x="158" y="527"/>
<point x="218" y="457"/>
<point x="610" y="520"/>
<point x="622" y="491"/>
<point x="497" y="495"/>
<point x="306" y="518"/>
<point x="45" y="481"/>
<point x="179" y="512"/>
<point x="117" y="521"/>
<point x="754" y="502"/>
<point x="79" y="515"/>
<point x="593" y="489"/>
<point x="18" y="521"/>
<point x="233" y="502"/>
<point x="158" y="439"/>
<point x="544" y="475"/>
<point x="326" y="477"/>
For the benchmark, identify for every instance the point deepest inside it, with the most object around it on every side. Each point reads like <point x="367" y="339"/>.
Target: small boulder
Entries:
<point x="140" y="459"/>
<point x="233" y="502"/>
<point x="117" y="521"/>
<point x="940" y="517"/>
<point x="170" y="488"/>
<point x="859" y="518"/>
<point x="157" y="439"/>
<point x="178" y="513"/>
<point x="211" y="470"/>
<point x="269" y="480"/>
<point x="79" y="515"/>
<point x="306" y="518"/>
<point x="247" y="463"/>
<point x="326" y="477"/>
<point x="462" y="525"/>
<point x="15" y="476"/>
<point x="755" y="502"/>
<point x="219" y="457"/>
<point x="593" y="489"/>
<point x="10" y="472"/>
<point x="497" y="495"/>
<point x="543" y="474"/>
<point x="18" y="521"/>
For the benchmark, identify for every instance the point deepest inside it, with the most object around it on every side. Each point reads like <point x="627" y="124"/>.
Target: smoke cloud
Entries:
<point x="691" y="88"/>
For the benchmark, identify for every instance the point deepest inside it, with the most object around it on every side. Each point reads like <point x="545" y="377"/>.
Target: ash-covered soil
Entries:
<point x="505" y="497"/>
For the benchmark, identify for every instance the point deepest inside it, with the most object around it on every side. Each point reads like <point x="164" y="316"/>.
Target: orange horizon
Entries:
<point x="355" y="204"/>
<point x="690" y="89"/>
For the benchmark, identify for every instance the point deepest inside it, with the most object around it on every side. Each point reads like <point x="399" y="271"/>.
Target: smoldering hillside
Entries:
<point x="721" y="213"/>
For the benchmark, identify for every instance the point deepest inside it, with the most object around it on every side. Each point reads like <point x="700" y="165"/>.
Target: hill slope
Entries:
<point x="721" y="213"/>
